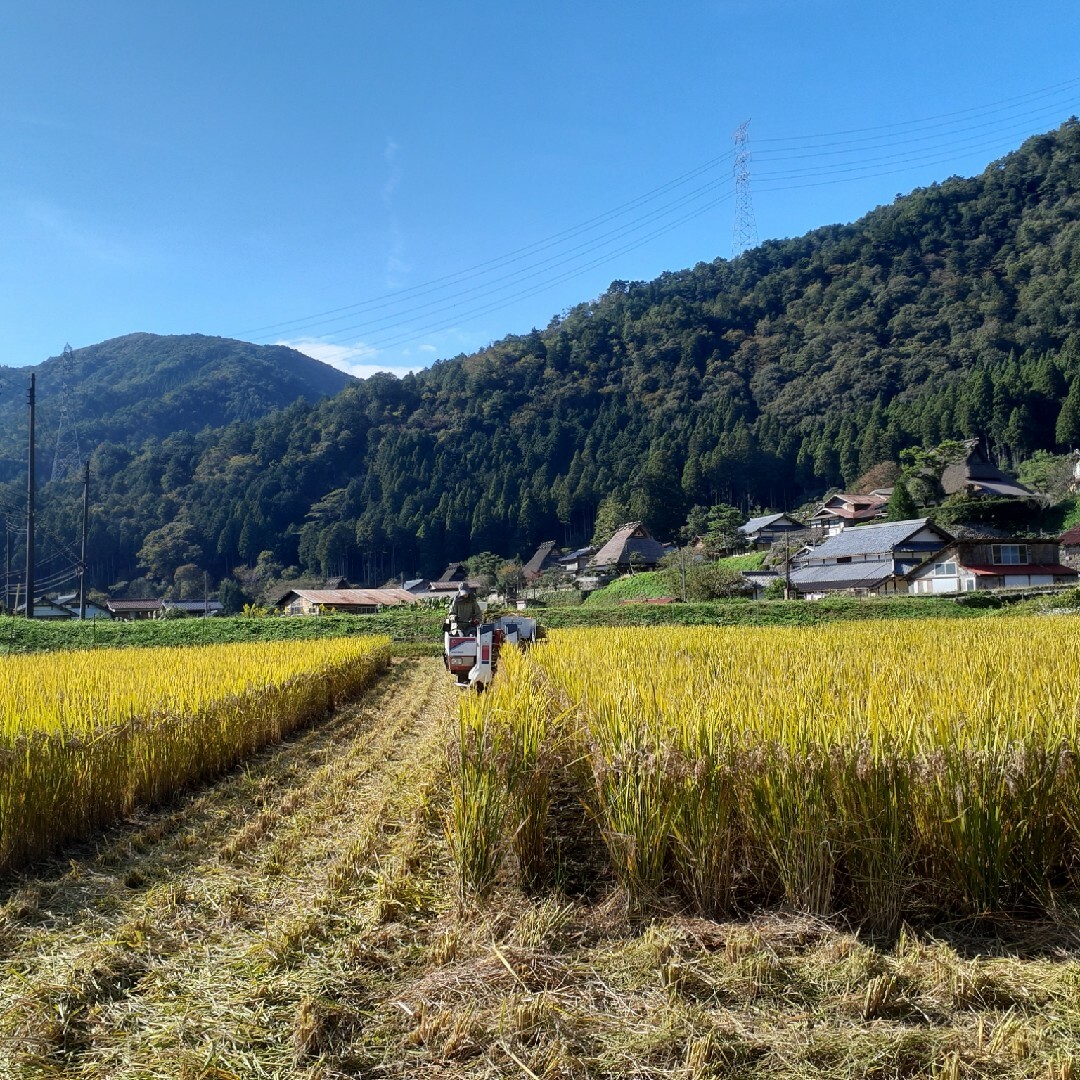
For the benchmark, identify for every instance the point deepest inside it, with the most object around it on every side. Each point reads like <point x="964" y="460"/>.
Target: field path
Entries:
<point x="234" y="932"/>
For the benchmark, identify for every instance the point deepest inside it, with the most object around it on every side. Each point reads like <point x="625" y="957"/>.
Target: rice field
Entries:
<point x="87" y="736"/>
<point x="888" y="771"/>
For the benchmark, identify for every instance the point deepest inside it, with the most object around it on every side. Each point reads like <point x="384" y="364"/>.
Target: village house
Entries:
<point x="49" y="610"/>
<point x="343" y="601"/>
<point x="1070" y="546"/>
<point x="576" y="562"/>
<point x="762" y="532"/>
<point x="975" y="565"/>
<point x="93" y="611"/>
<point x="976" y="476"/>
<point x="871" y="560"/>
<point x="543" y="559"/>
<point x="631" y="548"/>
<point x="842" y="510"/>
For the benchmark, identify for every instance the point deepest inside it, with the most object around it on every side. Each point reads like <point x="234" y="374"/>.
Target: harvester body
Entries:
<point x="471" y="654"/>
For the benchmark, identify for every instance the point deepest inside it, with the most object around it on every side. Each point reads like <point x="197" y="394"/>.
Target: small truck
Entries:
<point x="471" y="654"/>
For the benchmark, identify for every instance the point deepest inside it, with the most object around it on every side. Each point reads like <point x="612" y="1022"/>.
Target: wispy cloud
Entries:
<point x="359" y="359"/>
<point x="58" y="226"/>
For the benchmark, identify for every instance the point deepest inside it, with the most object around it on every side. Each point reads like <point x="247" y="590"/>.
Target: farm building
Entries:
<point x="128" y="609"/>
<point x="870" y="560"/>
<point x="973" y="565"/>
<point x="632" y="547"/>
<point x="343" y="601"/>
<point x="196" y="609"/>
<point x="763" y="532"/>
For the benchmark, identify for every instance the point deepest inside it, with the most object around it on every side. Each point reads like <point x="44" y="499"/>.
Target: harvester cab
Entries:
<point x="471" y="653"/>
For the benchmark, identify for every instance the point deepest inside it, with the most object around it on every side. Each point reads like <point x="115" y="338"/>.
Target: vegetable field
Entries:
<point x="885" y="770"/>
<point x="87" y="736"/>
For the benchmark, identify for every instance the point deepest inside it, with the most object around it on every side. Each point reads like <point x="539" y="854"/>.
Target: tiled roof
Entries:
<point x="135" y="605"/>
<point x="1010" y="569"/>
<point x="861" y="575"/>
<point x="1071" y="537"/>
<point x="871" y="539"/>
<point x="757" y="524"/>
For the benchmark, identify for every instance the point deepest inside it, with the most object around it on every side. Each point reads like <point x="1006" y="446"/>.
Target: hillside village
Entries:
<point x="979" y="529"/>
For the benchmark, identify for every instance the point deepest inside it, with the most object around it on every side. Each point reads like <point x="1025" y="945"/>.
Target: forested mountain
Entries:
<point x="141" y="385"/>
<point x="954" y="311"/>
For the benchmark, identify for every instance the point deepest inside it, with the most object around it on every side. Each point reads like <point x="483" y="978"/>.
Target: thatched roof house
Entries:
<point x="975" y="475"/>
<point x="632" y="546"/>
<point x="543" y="559"/>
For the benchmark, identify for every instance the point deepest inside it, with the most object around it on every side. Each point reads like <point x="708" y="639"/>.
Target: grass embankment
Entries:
<point x="299" y="919"/>
<point x="412" y="626"/>
<point x="418" y="631"/>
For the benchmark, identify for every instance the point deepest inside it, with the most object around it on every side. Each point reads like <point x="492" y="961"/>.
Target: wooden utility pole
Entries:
<point x="30" y="511"/>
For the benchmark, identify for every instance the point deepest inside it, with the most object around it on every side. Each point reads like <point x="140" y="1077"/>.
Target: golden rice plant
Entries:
<point x="886" y="768"/>
<point x="87" y="736"/>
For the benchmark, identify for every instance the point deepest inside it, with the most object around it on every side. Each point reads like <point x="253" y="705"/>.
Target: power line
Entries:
<point x="860" y="153"/>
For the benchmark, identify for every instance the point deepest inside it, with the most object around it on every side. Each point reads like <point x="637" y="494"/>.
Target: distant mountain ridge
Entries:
<point x="142" y="385"/>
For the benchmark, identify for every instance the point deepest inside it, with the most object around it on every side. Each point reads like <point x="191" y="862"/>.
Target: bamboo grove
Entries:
<point x="87" y="736"/>
<point x="885" y="770"/>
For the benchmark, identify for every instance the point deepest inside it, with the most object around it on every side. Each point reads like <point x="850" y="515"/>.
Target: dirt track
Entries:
<point x="229" y="933"/>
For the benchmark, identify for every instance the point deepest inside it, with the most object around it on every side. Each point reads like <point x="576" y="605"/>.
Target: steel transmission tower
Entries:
<point x="67" y="461"/>
<point x="745" y="234"/>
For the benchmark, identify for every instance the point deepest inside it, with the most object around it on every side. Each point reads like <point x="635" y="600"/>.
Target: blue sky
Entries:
<point x="384" y="184"/>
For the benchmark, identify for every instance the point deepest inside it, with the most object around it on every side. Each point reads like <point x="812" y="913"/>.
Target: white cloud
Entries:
<point x="359" y="359"/>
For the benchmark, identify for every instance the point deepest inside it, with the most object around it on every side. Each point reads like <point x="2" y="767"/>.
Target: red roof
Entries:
<point x="1003" y="570"/>
<point x="1071" y="537"/>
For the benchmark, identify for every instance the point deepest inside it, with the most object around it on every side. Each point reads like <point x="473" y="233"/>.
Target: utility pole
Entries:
<point x="745" y="233"/>
<point x="787" y="568"/>
<point x="30" y="509"/>
<point x="82" y="549"/>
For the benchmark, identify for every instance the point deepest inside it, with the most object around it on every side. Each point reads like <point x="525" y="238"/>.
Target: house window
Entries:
<point x="945" y="569"/>
<point x="844" y="559"/>
<point x="1009" y="554"/>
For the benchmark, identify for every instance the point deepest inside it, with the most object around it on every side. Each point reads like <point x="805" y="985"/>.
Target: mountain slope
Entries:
<point x="955" y="311"/>
<point x="142" y="385"/>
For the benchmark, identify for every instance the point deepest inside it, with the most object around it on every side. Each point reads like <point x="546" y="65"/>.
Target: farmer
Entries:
<point x="464" y="609"/>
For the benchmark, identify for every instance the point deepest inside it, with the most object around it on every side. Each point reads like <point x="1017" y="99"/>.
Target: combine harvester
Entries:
<point x="471" y="654"/>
